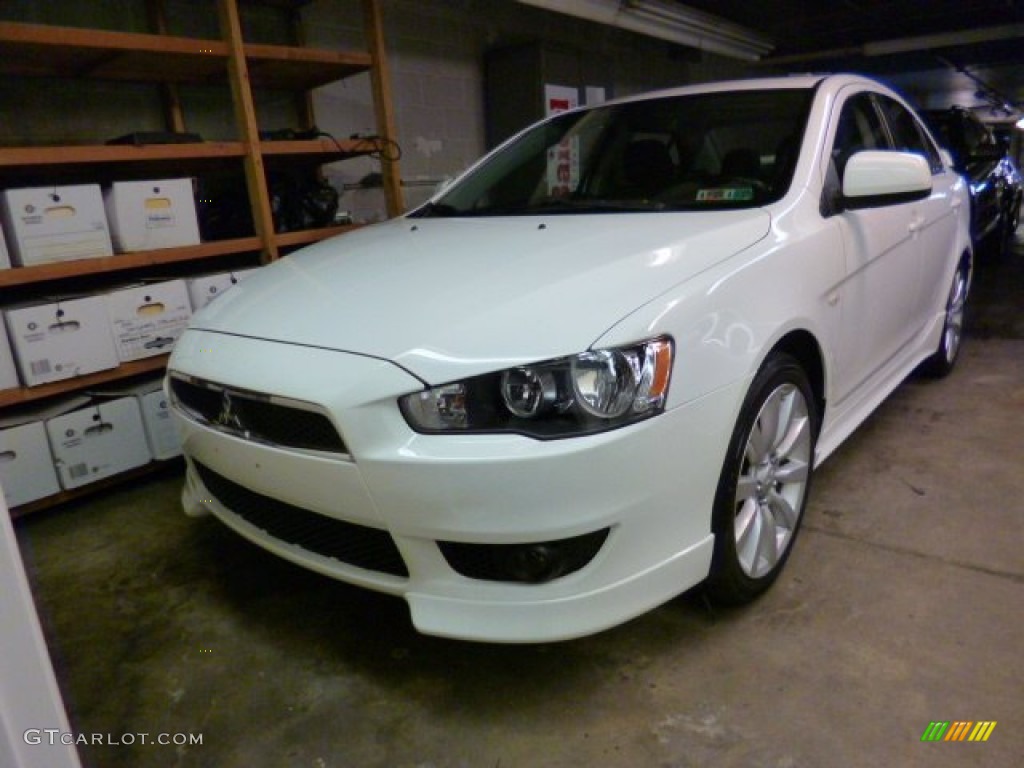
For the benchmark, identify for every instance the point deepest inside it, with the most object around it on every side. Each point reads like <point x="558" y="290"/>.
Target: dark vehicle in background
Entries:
<point x="995" y="184"/>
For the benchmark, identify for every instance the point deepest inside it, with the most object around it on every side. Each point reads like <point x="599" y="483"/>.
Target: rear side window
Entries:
<point x="907" y="133"/>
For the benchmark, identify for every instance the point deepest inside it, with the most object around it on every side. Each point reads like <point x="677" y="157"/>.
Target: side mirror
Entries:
<point x="873" y="179"/>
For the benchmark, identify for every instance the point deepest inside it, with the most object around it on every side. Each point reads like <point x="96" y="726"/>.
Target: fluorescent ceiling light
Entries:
<point x="667" y="21"/>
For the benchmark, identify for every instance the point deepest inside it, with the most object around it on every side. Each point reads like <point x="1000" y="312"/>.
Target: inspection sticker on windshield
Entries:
<point x="725" y="194"/>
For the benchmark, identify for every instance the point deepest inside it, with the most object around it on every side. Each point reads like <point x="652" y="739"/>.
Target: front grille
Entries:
<point x="357" y="545"/>
<point x="254" y="416"/>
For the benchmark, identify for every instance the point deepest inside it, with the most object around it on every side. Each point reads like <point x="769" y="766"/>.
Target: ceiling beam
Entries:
<point x="909" y="44"/>
<point x="667" y="21"/>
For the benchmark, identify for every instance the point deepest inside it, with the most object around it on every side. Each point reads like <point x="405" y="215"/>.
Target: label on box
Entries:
<point x="159" y="213"/>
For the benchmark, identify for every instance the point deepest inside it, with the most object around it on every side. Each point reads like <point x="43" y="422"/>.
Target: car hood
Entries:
<point x="447" y="298"/>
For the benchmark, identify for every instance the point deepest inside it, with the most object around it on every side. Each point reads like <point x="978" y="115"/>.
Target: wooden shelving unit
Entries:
<point x="23" y="395"/>
<point x="123" y="262"/>
<point x="34" y="50"/>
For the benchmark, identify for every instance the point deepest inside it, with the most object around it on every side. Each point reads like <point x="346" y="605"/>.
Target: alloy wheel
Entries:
<point x="954" y="326"/>
<point x="773" y="480"/>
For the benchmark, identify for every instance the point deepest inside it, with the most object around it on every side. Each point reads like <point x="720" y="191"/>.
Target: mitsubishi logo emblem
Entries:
<point x="227" y="417"/>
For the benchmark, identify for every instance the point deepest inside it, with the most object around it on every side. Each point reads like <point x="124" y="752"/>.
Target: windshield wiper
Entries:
<point x="552" y="205"/>
<point x="567" y="205"/>
<point x="595" y="205"/>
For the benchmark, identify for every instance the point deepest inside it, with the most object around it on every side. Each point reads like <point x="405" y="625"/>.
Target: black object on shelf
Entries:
<point x="140" y="138"/>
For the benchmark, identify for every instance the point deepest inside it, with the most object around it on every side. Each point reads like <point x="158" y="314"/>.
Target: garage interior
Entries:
<point x="900" y="606"/>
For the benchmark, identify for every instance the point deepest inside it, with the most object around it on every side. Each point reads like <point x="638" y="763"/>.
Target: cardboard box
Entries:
<point x="147" y="319"/>
<point x="49" y="224"/>
<point x="26" y="464"/>
<point x="5" y="259"/>
<point x="60" y="339"/>
<point x="161" y="431"/>
<point x="97" y="441"/>
<point x="8" y="373"/>
<point x="145" y="215"/>
<point x="203" y="289"/>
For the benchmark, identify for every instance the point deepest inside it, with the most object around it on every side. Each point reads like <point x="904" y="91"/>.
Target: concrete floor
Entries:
<point x="902" y="604"/>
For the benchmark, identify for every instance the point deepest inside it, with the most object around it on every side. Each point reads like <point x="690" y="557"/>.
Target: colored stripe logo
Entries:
<point x="958" y="730"/>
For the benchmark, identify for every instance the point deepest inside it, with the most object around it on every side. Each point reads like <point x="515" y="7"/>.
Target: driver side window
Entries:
<point x="859" y="128"/>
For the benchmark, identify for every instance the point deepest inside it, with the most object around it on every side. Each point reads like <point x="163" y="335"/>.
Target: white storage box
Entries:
<point x="8" y="373"/>
<point x="5" y="259"/>
<point x="203" y="289"/>
<point x="146" y="320"/>
<point x="145" y="215"/>
<point x="97" y="441"/>
<point x="49" y="224"/>
<point x="26" y="464"/>
<point x="161" y="431"/>
<point x="60" y="339"/>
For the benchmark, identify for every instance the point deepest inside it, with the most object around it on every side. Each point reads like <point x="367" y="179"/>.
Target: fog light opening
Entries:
<point x="536" y="563"/>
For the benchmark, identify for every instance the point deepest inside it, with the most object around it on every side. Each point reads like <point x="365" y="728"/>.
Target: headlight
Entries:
<point x="591" y="392"/>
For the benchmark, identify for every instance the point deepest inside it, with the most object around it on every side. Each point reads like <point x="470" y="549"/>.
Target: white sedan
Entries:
<point x="595" y="371"/>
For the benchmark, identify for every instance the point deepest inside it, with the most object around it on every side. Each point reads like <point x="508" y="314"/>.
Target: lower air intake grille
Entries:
<point x="356" y="545"/>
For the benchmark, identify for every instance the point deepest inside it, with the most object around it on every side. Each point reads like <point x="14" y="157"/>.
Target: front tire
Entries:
<point x="943" y="360"/>
<point x="764" y="483"/>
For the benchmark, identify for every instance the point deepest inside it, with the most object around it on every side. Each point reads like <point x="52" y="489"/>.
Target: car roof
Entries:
<point x="787" y="82"/>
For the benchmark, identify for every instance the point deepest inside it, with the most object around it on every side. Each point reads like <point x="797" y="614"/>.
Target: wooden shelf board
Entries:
<point x="118" y="153"/>
<point x="306" y="236"/>
<point x="278" y="66"/>
<point x="323" y="150"/>
<point x="23" y="395"/>
<point x="92" y="488"/>
<point x="40" y="50"/>
<point x="125" y="261"/>
<point x="287" y="5"/>
<point x="53" y="51"/>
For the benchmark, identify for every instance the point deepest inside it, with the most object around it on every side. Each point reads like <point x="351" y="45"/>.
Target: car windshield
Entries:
<point x="707" y="151"/>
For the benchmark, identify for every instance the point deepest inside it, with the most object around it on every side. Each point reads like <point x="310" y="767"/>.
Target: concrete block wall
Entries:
<point x="436" y="51"/>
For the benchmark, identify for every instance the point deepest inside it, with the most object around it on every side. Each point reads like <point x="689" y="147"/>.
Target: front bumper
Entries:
<point x="650" y="486"/>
